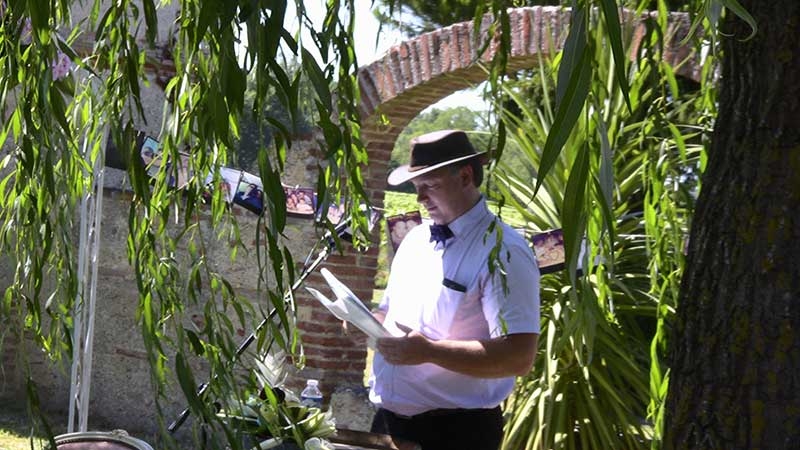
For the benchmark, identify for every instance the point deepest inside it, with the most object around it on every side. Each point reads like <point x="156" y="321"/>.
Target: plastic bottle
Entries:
<point x="311" y="395"/>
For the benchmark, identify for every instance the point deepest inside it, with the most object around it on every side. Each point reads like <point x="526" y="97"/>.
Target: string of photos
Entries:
<point x="246" y="190"/>
<point x="548" y="246"/>
<point x="238" y="186"/>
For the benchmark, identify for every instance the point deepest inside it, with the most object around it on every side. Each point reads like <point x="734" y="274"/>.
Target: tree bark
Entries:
<point x="735" y="346"/>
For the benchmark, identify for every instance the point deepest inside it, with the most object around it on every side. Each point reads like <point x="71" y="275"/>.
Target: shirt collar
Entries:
<point x="469" y="219"/>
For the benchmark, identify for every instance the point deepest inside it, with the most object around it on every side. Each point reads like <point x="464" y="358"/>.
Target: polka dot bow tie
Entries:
<point x="440" y="233"/>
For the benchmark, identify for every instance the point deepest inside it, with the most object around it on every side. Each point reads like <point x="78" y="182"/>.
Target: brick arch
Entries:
<point x="417" y="73"/>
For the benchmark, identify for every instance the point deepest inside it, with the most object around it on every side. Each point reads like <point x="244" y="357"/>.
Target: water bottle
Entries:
<point x="311" y="395"/>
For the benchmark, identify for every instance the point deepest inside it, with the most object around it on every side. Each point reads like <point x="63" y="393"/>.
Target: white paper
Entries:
<point x="349" y="308"/>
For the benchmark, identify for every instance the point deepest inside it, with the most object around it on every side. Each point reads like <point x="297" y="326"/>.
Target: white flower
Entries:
<point x="316" y="443"/>
<point x="271" y="369"/>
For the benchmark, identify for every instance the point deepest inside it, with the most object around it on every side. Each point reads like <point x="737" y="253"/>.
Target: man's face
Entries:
<point x="443" y="193"/>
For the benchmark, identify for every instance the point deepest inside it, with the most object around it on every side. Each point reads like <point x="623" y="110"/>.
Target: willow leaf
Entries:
<point x="743" y="14"/>
<point x="567" y="114"/>
<point x="609" y="8"/>
<point x="574" y="46"/>
<point x="572" y="215"/>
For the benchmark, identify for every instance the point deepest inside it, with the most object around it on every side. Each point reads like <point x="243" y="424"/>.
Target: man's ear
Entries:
<point x="465" y="175"/>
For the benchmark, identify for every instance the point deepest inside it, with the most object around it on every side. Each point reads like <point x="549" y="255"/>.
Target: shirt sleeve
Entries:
<point x="513" y="308"/>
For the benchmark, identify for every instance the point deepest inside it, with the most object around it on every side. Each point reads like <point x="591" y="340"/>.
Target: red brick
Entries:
<point x="320" y="327"/>
<point x="350" y="354"/>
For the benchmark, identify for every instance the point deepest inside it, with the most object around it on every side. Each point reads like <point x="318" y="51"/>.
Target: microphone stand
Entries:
<point x="329" y="245"/>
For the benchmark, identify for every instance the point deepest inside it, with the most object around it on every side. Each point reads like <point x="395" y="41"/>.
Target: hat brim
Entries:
<point x="406" y="172"/>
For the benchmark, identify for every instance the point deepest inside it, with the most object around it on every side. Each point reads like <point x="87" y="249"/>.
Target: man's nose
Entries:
<point x="421" y="195"/>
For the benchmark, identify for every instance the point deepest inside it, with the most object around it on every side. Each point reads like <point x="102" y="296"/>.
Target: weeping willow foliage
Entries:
<point x="625" y="183"/>
<point x="55" y="128"/>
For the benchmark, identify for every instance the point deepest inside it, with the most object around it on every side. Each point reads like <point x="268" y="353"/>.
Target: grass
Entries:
<point x="15" y="430"/>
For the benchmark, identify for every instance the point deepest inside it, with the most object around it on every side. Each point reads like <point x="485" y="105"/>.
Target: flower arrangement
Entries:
<point x="276" y="418"/>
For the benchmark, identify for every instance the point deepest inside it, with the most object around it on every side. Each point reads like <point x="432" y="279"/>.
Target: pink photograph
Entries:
<point x="300" y="201"/>
<point x="399" y="225"/>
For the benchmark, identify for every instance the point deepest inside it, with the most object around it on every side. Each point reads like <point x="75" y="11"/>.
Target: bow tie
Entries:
<point x="440" y="233"/>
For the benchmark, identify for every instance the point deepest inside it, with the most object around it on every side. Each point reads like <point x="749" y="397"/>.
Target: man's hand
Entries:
<point x="413" y="348"/>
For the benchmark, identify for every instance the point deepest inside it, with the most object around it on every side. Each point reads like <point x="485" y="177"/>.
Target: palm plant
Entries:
<point x="623" y="182"/>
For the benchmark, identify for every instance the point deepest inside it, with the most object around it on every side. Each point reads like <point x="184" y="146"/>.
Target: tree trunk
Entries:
<point x="735" y="347"/>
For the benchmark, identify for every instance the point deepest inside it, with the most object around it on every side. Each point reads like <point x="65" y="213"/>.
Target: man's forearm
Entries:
<point x="495" y="358"/>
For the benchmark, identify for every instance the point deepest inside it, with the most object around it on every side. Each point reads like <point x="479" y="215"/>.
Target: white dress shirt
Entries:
<point x="446" y="291"/>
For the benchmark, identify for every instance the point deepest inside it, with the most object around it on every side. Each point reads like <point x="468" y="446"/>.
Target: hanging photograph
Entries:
<point x="183" y="172"/>
<point x="250" y="193"/>
<point x="229" y="179"/>
<point x="549" y="250"/>
<point x="399" y="225"/>
<point x="151" y="156"/>
<point x="300" y="201"/>
<point x="335" y="213"/>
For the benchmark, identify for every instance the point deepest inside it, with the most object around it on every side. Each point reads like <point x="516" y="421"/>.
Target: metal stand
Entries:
<point x="328" y="245"/>
<point x="84" y="308"/>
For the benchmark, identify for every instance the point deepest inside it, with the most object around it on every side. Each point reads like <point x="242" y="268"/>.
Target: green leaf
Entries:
<point x="197" y="345"/>
<point x="573" y="214"/>
<point x="151" y="20"/>
<point x="319" y="81"/>
<point x="567" y="114"/>
<point x="611" y="15"/>
<point x="743" y="14"/>
<point x="186" y="382"/>
<point x="606" y="170"/>
<point x="59" y="110"/>
<point x="574" y="47"/>
<point x="99" y="33"/>
<point x="275" y="196"/>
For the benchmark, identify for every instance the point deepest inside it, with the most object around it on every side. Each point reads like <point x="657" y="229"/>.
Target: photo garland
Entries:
<point x="302" y="202"/>
<point x="238" y="186"/>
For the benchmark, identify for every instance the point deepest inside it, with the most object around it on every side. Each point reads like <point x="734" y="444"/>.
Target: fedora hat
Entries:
<point x="434" y="150"/>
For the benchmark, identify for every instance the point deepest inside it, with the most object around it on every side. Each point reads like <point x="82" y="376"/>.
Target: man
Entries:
<point x="466" y="332"/>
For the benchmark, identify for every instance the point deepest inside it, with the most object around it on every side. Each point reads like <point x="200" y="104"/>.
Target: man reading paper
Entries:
<point x="468" y="331"/>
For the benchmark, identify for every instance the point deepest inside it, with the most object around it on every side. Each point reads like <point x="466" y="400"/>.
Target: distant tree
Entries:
<point x="257" y="130"/>
<point x="428" y="16"/>
<point x="461" y="118"/>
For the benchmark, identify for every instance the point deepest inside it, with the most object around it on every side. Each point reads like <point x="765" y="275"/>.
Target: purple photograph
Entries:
<point x="335" y="213"/>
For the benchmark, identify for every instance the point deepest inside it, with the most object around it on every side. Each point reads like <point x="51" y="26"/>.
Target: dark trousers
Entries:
<point x="445" y="429"/>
